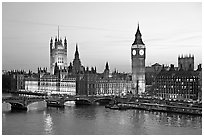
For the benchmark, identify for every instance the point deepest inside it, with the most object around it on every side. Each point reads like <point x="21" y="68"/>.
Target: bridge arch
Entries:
<point x="102" y="100"/>
<point x="82" y="101"/>
<point x="15" y="103"/>
<point x="18" y="106"/>
<point x="33" y="102"/>
<point x="21" y="103"/>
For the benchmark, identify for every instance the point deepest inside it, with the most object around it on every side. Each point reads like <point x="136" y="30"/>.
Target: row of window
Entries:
<point x="175" y="83"/>
<point x="176" y="86"/>
<point x="60" y="60"/>
<point x="105" y="92"/>
<point x="49" y="80"/>
<point x="178" y="80"/>
<point x="180" y="91"/>
<point x="177" y="91"/>
<point x="31" y="83"/>
<point x="112" y="81"/>
<point x="56" y="80"/>
<point x="173" y="77"/>
<point x="60" y="52"/>
<point x="67" y="85"/>
<point x="49" y="84"/>
<point x="187" y="96"/>
<point x="114" y="88"/>
<point x="113" y="85"/>
<point x="71" y="91"/>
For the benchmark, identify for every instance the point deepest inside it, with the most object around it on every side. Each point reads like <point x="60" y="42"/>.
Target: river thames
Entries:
<point x="95" y="120"/>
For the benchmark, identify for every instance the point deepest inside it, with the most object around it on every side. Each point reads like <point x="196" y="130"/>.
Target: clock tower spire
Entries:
<point x="138" y="37"/>
<point x="138" y="54"/>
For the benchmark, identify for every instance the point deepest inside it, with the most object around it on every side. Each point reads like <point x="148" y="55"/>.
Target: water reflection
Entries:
<point x="85" y="112"/>
<point x="98" y="120"/>
<point x="40" y="105"/>
<point x="6" y="107"/>
<point x="176" y="120"/>
<point x="70" y="103"/>
<point x="48" y="124"/>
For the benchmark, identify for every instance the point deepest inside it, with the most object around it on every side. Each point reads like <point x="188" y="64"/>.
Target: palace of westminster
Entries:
<point x="182" y="82"/>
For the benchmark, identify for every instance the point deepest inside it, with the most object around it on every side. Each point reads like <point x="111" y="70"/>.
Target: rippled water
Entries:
<point x="74" y="120"/>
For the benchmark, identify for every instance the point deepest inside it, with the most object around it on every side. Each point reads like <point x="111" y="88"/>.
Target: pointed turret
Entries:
<point x="76" y="52"/>
<point x="138" y="33"/>
<point x="65" y="43"/>
<point x="138" y="37"/>
<point x="107" y="66"/>
<point x="51" y="43"/>
<point x="58" y="33"/>
<point x="76" y="62"/>
<point x="106" y="71"/>
<point x="95" y="69"/>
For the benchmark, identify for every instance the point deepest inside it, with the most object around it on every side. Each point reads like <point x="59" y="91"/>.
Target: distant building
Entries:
<point x="176" y="84"/>
<point x="58" y="53"/>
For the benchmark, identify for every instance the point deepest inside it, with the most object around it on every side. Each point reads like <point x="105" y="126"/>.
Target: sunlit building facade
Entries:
<point x="113" y="86"/>
<point x="31" y="84"/>
<point x="68" y="86"/>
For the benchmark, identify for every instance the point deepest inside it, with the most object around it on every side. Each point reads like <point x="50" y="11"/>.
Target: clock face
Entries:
<point x="133" y="52"/>
<point x="141" y="52"/>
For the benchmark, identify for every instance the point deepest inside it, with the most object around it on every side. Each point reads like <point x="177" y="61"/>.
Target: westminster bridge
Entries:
<point x="21" y="102"/>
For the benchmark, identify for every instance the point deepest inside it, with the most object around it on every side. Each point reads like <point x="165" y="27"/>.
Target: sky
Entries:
<point x="103" y="31"/>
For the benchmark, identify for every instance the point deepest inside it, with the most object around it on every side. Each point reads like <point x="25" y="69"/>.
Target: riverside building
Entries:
<point x="74" y="79"/>
<point x="177" y="84"/>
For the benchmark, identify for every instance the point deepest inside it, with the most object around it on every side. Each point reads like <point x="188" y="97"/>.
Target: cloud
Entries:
<point x="175" y="40"/>
<point x="26" y="22"/>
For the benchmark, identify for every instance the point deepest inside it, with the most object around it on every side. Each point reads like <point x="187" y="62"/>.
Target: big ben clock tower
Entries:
<point x="138" y="54"/>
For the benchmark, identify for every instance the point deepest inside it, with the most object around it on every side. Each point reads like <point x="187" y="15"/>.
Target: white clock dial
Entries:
<point x="133" y="52"/>
<point x="141" y="52"/>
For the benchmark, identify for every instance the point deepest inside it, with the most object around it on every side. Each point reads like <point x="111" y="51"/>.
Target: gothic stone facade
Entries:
<point x="138" y="53"/>
<point x="58" y="53"/>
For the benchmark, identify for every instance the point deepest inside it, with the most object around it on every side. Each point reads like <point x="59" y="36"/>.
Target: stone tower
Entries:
<point x="76" y="62"/>
<point x="138" y="53"/>
<point x="186" y="62"/>
<point x="58" y="53"/>
<point x="106" y="71"/>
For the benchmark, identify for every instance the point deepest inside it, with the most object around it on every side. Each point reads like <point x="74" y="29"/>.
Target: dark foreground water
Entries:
<point x="96" y="120"/>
